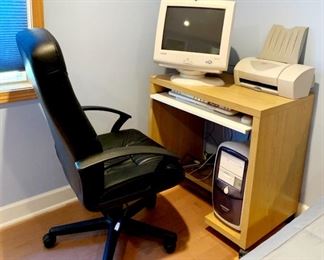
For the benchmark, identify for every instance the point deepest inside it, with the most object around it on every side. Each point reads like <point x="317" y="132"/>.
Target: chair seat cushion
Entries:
<point x="130" y="175"/>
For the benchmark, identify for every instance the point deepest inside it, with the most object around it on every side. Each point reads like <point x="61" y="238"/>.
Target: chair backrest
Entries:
<point x="73" y="134"/>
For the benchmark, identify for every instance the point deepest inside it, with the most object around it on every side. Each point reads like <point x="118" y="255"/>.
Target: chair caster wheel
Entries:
<point x="169" y="244"/>
<point x="49" y="240"/>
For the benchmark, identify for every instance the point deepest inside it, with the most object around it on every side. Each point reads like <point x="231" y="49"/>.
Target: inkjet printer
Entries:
<point x="276" y="69"/>
<point x="287" y="80"/>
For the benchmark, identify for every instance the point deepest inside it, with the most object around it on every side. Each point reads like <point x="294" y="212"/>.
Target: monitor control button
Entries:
<point x="226" y="190"/>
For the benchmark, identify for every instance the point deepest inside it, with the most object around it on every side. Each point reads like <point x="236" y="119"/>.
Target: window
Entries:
<point x="14" y="16"/>
<point x="13" y="19"/>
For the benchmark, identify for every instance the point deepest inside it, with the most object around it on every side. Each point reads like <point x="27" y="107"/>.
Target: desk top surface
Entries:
<point x="230" y="95"/>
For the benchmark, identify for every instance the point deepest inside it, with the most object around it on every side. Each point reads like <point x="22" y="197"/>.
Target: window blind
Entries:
<point x="13" y="18"/>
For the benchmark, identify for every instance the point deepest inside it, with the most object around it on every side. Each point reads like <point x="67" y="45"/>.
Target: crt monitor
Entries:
<point x="193" y="36"/>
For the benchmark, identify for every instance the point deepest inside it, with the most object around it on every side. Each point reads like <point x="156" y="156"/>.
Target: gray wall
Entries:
<point x="28" y="165"/>
<point x="253" y="21"/>
<point x="108" y="47"/>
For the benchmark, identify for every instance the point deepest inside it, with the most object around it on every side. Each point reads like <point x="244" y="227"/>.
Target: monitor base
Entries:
<point x="201" y="81"/>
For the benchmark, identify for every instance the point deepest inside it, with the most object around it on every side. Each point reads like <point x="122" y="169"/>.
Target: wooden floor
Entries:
<point x="177" y="209"/>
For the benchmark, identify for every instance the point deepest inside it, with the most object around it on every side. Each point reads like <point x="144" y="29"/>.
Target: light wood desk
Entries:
<point x="278" y="143"/>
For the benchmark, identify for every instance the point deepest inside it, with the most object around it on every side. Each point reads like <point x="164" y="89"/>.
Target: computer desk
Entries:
<point x="278" y="144"/>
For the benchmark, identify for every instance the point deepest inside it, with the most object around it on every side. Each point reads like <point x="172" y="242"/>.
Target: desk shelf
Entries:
<point x="278" y="143"/>
<point x="201" y="176"/>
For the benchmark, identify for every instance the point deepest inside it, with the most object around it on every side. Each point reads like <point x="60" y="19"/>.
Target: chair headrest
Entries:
<point x="38" y="46"/>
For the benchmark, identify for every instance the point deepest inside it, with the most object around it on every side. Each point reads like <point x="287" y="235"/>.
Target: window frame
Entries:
<point x="24" y="90"/>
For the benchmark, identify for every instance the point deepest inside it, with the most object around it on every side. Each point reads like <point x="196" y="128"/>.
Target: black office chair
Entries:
<point x="118" y="173"/>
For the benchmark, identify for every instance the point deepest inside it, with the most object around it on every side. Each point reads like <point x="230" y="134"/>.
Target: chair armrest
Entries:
<point x="123" y="117"/>
<point x="119" y="152"/>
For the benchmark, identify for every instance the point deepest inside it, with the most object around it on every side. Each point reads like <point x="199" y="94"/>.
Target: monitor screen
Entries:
<point x="193" y="36"/>
<point x="193" y="29"/>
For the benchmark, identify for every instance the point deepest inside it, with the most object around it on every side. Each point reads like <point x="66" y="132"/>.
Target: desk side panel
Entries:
<point x="279" y="150"/>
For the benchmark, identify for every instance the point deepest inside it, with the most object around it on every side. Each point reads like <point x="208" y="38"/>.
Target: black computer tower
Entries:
<point x="229" y="176"/>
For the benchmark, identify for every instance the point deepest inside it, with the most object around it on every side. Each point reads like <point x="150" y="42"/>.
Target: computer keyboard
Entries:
<point x="203" y="103"/>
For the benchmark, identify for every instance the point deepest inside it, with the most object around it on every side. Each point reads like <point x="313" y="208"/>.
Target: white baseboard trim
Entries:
<point x="27" y="208"/>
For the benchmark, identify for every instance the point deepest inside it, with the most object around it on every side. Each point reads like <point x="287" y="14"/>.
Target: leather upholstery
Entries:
<point x="103" y="185"/>
<point x="136" y="173"/>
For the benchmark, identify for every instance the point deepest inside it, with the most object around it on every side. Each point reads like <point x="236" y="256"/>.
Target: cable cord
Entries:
<point x="202" y="165"/>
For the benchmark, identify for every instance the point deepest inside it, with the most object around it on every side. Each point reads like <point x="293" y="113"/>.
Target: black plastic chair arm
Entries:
<point x="119" y="152"/>
<point x="123" y="117"/>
